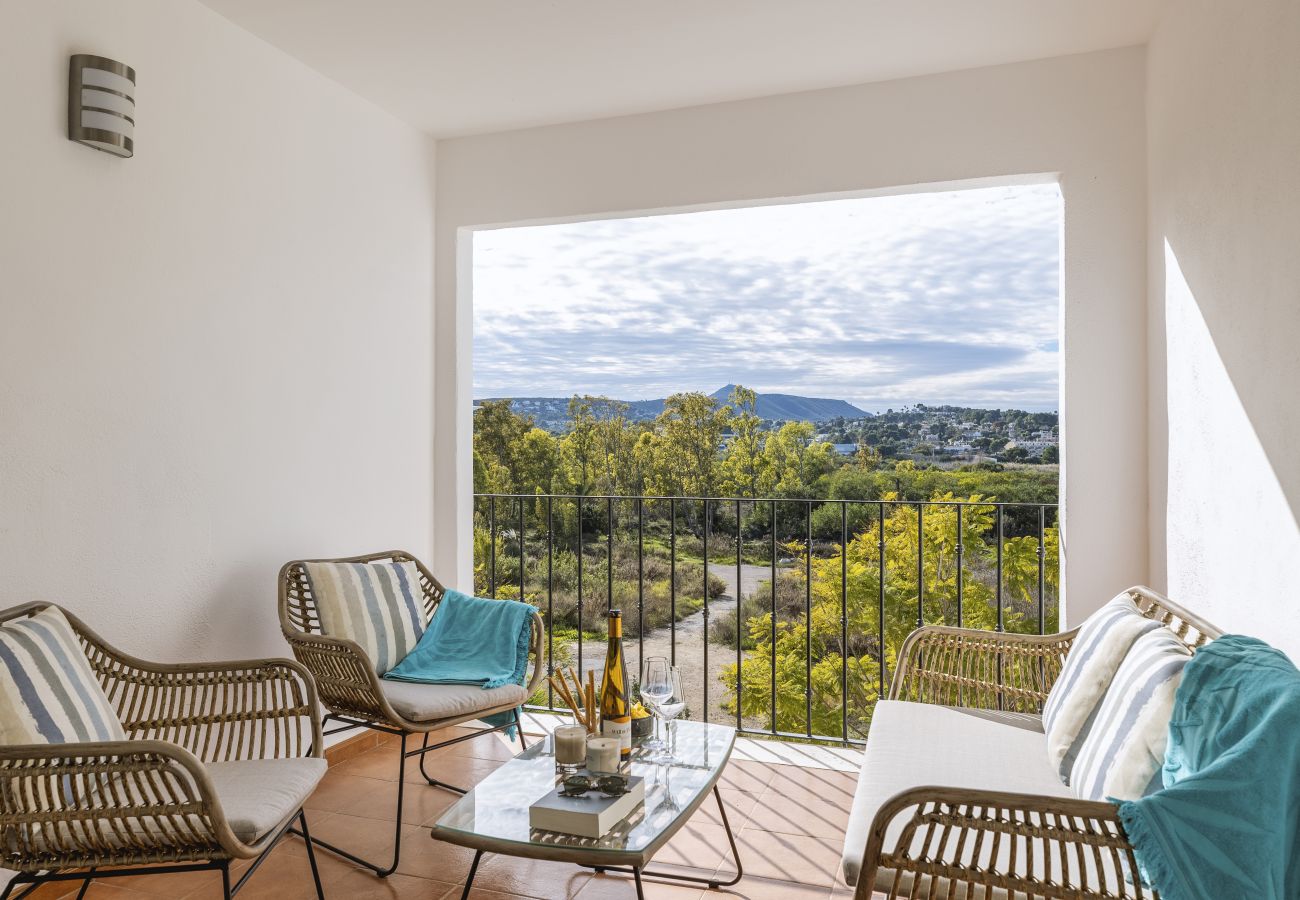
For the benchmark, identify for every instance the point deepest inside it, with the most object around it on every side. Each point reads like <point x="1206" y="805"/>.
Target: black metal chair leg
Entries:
<point x="85" y="885"/>
<point x="469" y="880"/>
<point x="424" y="748"/>
<point x="225" y="881"/>
<point x="380" y="871"/>
<point x="311" y="854"/>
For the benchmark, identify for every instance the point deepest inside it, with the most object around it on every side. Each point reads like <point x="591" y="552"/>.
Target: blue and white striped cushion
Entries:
<point x="48" y="692"/>
<point x="1124" y="750"/>
<point x="1100" y="646"/>
<point x="380" y="606"/>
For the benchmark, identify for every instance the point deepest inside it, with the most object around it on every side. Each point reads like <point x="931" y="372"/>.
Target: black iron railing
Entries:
<point x="784" y="613"/>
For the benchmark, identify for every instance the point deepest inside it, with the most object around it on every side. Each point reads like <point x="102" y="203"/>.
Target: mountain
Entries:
<point x="790" y="408"/>
<point x="552" y="413"/>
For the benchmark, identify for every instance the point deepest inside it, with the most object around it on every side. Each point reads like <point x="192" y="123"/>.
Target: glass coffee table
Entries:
<point x="493" y="817"/>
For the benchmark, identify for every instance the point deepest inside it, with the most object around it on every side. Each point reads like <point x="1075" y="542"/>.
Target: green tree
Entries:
<point x="744" y="467"/>
<point x="579" y="449"/>
<point x="795" y="459"/>
<point x="499" y="446"/>
<point x="688" y="437"/>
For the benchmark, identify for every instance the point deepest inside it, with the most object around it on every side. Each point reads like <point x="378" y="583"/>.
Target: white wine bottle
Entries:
<point x="615" y="710"/>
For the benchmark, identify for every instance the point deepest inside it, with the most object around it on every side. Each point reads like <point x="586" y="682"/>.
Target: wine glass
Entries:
<point x="656" y="687"/>
<point x="669" y="710"/>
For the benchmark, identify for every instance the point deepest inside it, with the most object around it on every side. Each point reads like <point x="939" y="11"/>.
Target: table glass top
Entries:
<point x="497" y="807"/>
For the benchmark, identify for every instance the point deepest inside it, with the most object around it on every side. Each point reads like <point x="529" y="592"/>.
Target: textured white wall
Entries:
<point x="1224" y="145"/>
<point x="1079" y="116"/>
<point x="215" y="356"/>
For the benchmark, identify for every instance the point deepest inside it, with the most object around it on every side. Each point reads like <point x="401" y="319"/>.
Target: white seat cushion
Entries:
<point x="431" y="702"/>
<point x="915" y="744"/>
<point x="258" y="794"/>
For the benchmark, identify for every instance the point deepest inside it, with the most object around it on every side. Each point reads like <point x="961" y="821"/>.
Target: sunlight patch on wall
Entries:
<point x="1232" y="536"/>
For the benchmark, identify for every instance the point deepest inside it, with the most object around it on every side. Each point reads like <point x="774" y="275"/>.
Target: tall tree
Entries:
<point x="796" y="458"/>
<point x="499" y="443"/>
<point x="744" y="468"/>
<point x="688" y="437"/>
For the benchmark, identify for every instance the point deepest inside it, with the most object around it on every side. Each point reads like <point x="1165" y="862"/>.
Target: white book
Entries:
<point x="592" y="815"/>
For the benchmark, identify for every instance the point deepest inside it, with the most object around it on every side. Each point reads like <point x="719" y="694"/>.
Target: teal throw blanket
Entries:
<point x="471" y="641"/>
<point x="1227" y="822"/>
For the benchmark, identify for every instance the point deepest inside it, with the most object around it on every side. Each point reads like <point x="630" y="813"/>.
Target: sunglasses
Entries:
<point x="609" y="785"/>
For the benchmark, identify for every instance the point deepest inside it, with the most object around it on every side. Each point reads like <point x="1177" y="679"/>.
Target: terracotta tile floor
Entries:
<point x="789" y="822"/>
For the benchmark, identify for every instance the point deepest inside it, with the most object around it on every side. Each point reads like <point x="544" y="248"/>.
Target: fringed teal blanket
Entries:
<point x="1227" y="822"/>
<point x="471" y="641"/>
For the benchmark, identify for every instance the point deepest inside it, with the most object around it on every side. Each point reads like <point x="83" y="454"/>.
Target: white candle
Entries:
<point x="570" y="746"/>
<point x="603" y="754"/>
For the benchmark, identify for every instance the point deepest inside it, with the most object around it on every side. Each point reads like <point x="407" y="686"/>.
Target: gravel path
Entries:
<point x="690" y="638"/>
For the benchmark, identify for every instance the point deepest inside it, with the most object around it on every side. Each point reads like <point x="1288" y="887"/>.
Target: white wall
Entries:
<point x="1224" y="145"/>
<point x="215" y="356"/>
<point x="1079" y="116"/>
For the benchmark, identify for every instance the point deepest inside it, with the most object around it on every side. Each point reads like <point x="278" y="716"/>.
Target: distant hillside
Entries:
<point x="789" y="408"/>
<point x="551" y="413"/>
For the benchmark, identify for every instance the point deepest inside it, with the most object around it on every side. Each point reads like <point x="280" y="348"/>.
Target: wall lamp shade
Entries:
<point x="101" y="104"/>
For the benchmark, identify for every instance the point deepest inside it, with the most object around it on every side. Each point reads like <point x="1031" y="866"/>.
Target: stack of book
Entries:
<point x="592" y="815"/>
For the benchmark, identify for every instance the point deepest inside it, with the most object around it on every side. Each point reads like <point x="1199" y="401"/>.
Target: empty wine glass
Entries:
<point x="669" y="710"/>
<point x="656" y="688"/>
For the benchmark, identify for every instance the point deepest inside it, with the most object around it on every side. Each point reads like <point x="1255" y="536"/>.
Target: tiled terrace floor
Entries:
<point x="789" y="822"/>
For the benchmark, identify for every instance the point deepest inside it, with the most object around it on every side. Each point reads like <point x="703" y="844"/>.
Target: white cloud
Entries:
<point x="935" y="298"/>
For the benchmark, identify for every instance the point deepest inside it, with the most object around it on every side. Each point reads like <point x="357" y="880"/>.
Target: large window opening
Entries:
<point x="778" y="438"/>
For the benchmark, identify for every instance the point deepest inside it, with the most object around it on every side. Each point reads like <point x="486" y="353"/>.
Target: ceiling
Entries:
<point x="456" y="67"/>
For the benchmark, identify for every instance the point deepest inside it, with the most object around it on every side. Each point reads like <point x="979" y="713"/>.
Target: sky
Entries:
<point x="935" y="298"/>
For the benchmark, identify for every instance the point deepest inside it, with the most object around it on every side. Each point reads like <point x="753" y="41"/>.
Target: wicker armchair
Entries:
<point x="172" y="795"/>
<point x="357" y="698"/>
<point x="959" y="842"/>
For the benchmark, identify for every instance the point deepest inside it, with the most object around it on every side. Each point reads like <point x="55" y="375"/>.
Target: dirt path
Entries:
<point x="689" y="635"/>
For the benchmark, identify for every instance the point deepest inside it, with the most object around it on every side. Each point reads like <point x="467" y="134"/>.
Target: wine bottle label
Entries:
<point x="620" y="728"/>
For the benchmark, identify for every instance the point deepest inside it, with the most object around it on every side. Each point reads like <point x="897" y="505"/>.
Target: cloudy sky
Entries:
<point x="933" y="298"/>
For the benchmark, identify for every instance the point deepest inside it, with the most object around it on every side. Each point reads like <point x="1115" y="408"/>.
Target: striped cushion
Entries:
<point x="48" y="693"/>
<point x="1124" y="751"/>
<point x="380" y="606"/>
<point x="1102" y="643"/>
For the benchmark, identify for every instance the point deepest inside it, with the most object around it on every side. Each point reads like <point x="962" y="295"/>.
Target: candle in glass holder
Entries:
<point x="570" y="748"/>
<point x="603" y="754"/>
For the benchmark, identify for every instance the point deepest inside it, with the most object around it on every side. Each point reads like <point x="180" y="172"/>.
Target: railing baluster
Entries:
<point x="740" y="622"/>
<point x="550" y="599"/>
<point x="492" y="541"/>
<point x="581" y="673"/>
<point x="609" y="553"/>
<point x="999" y="567"/>
<point x="707" y="520"/>
<point x="844" y="620"/>
<point x="1001" y="626"/>
<point x="884" y="665"/>
<point x="960" y="579"/>
<point x="1042" y="561"/>
<point x="672" y="580"/>
<point x="807" y="622"/>
<point x="772" y="621"/>
<point x="640" y="580"/>
<point x="920" y="565"/>
<point x="522" y="560"/>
